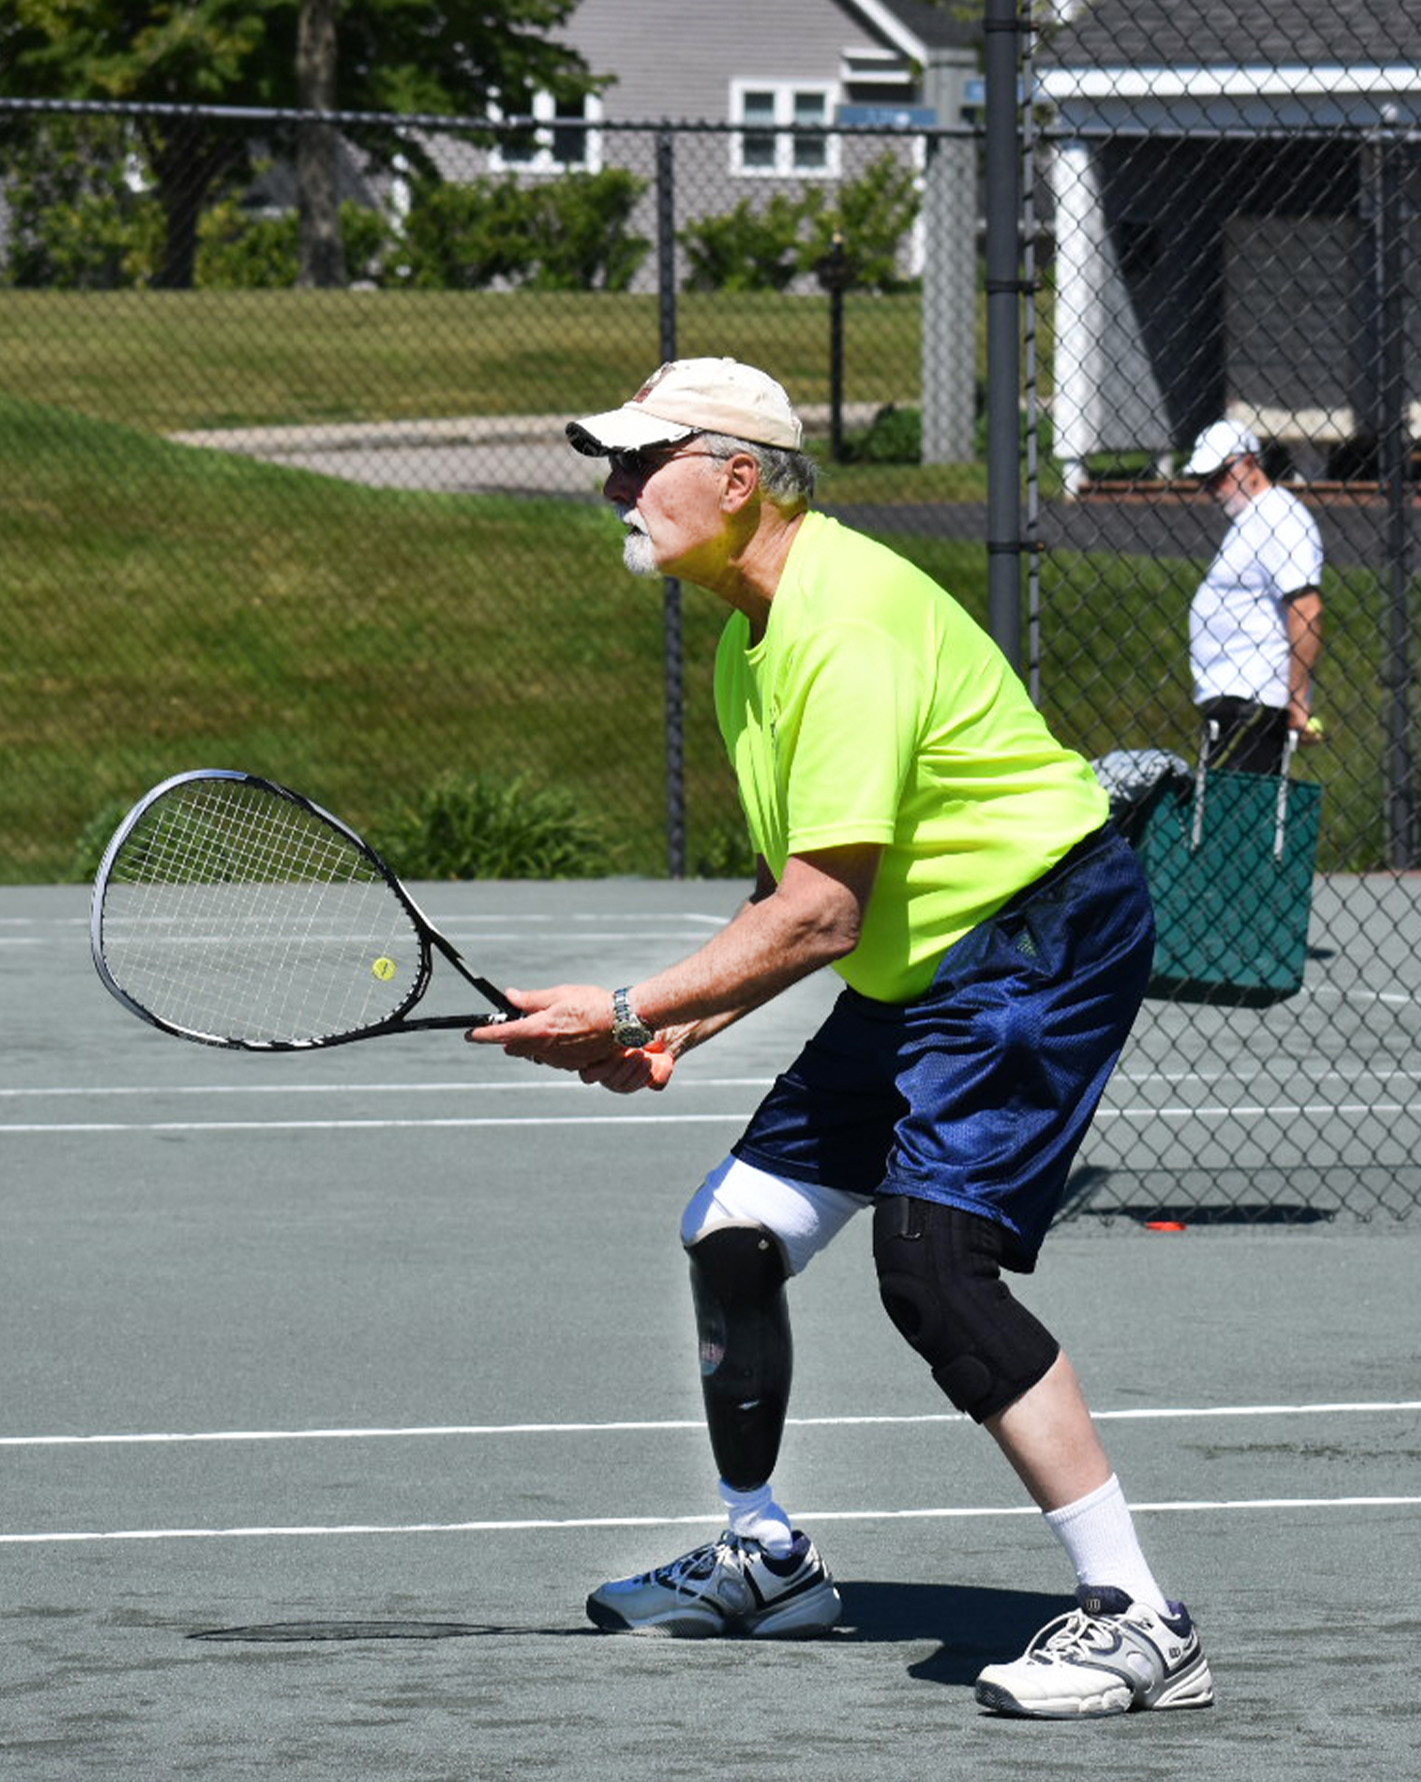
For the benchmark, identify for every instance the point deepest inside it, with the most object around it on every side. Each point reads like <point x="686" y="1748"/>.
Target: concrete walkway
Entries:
<point x="460" y="455"/>
<point x="528" y="454"/>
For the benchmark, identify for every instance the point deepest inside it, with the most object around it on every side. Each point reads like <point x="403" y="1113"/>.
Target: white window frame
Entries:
<point x="785" y="166"/>
<point x="542" y="159"/>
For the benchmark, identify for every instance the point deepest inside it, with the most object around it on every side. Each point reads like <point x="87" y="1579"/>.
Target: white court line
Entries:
<point x="1256" y="1110"/>
<point x="1359" y="994"/>
<point x="1296" y="1067"/>
<point x="392" y="1125"/>
<point x="379" y="1432"/>
<point x="1205" y="1111"/>
<point x="461" y="1086"/>
<point x="467" y="1086"/>
<point x="279" y="1531"/>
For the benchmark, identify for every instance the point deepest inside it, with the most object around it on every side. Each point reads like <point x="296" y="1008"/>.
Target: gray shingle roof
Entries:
<point x="949" y="25"/>
<point x="1213" y="33"/>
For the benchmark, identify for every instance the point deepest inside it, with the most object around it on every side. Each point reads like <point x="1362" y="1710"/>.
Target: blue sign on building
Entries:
<point x="888" y="117"/>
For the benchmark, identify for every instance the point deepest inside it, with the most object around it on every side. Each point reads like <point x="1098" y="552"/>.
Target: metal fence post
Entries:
<point x="1003" y="344"/>
<point x="1393" y="454"/>
<point x="671" y="588"/>
<point x="949" y="266"/>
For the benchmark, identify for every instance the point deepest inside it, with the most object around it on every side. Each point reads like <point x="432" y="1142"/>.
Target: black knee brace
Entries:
<point x="940" y="1281"/>
<point x="737" y="1282"/>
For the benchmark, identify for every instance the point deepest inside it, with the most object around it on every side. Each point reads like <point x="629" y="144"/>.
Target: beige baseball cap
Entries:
<point x="1218" y="443"/>
<point x="694" y="396"/>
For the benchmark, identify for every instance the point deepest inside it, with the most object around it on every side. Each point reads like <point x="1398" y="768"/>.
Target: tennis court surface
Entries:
<point x="335" y="1382"/>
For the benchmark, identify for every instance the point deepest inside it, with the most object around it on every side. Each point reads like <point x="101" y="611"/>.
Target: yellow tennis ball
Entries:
<point x="384" y="968"/>
<point x="1315" y="728"/>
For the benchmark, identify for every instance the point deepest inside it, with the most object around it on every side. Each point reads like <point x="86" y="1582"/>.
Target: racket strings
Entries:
<point x="235" y="913"/>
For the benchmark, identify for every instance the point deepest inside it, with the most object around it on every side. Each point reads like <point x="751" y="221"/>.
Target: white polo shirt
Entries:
<point x="1238" y="623"/>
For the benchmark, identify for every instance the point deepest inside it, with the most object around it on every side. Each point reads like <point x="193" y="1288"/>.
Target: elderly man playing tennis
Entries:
<point x="921" y="831"/>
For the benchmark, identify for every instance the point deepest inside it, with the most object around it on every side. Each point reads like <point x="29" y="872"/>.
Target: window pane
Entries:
<point x="811" y="153"/>
<point x="518" y="146"/>
<point x="757" y="148"/>
<point x="570" y="146"/>
<point x="757" y="151"/>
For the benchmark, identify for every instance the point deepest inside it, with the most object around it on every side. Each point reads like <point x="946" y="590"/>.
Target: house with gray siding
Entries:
<point x="798" y="62"/>
<point x="773" y="82"/>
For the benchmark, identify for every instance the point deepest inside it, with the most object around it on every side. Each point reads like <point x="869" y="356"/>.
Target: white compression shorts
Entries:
<point x="803" y="1216"/>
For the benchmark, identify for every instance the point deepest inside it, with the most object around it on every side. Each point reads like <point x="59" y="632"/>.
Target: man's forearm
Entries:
<point x="1304" y="649"/>
<point x="811" y="919"/>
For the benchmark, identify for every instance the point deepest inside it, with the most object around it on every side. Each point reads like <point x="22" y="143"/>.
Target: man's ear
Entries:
<point x="742" y="482"/>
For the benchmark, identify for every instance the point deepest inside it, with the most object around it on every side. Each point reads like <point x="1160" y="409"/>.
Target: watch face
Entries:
<point x="628" y="1029"/>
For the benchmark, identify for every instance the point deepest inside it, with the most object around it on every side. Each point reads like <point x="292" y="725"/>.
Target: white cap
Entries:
<point x="1217" y="444"/>
<point x="694" y="396"/>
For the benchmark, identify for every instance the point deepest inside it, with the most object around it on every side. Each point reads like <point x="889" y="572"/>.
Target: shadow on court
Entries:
<point x="976" y="1626"/>
<point x="875" y="1613"/>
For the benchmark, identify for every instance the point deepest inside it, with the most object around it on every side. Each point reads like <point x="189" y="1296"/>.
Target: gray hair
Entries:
<point x="787" y="477"/>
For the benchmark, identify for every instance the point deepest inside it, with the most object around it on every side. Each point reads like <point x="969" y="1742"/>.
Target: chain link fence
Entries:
<point x="332" y="532"/>
<point x="1231" y="234"/>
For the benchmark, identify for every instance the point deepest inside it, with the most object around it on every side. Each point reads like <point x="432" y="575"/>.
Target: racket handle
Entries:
<point x="662" y="1064"/>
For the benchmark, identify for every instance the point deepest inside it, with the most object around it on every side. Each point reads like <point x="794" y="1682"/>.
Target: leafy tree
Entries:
<point x="871" y="215"/>
<point x="433" y="56"/>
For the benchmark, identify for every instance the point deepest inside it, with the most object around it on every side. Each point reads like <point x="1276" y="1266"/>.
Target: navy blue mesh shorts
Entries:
<point x="978" y="1094"/>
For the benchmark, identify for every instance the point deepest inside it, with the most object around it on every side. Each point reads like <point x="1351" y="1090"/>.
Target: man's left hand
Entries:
<point x="568" y="1026"/>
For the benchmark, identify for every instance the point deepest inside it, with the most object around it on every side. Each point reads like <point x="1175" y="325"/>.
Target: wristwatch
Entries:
<point x="628" y="1028"/>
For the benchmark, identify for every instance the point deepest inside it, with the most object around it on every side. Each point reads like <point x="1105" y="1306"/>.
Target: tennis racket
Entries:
<point x="233" y="911"/>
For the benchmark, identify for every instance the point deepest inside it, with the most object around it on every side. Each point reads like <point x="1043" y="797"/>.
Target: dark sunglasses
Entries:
<point x="644" y="461"/>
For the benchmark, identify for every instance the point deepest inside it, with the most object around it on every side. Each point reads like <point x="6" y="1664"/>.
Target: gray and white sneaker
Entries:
<point x="1109" y="1656"/>
<point x="730" y="1586"/>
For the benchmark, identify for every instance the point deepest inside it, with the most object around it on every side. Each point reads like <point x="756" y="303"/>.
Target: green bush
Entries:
<point x="76" y="223"/>
<point x="368" y="236"/>
<point x="567" y="234"/>
<point x="871" y="214"/>
<point x="894" y="436"/>
<point x="748" y="249"/>
<point x="724" y="852"/>
<point x="463" y="237"/>
<point x="477" y="827"/>
<point x="238" y="251"/>
<point x="94" y="838"/>
<point x="579" y="227"/>
<point x="766" y="249"/>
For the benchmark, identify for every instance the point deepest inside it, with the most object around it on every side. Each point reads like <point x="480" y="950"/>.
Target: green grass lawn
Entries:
<point x="172" y="608"/>
<point x="171" y="361"/>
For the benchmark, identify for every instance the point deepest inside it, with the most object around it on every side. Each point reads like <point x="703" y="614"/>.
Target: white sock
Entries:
<point x="1098" y="1533"/>
<point x="755" y="1516"/>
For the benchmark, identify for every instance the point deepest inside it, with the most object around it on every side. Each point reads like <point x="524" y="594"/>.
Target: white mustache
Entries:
<point x="631" y="519"/>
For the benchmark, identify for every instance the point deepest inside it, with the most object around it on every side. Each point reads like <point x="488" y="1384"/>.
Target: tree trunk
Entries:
<point x="317" y="148"/>
<point x="186" y="158"/>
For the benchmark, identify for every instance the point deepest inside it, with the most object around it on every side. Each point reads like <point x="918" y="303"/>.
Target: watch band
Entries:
<point x="628" y="1028"/>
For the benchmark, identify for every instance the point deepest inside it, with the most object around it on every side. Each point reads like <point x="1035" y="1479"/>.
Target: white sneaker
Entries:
<point x="1108" y="1656"/>
<point x="731" y="1586"/>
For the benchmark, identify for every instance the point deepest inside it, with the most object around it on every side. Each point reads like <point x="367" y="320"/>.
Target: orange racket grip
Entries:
<point x="662" y="1064"/>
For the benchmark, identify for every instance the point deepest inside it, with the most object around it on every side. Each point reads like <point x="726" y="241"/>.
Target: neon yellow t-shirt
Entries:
<point x="875" y="710"/>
